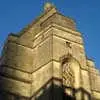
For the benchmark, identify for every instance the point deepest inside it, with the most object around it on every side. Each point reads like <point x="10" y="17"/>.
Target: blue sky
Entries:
<point x="15" y="14"/>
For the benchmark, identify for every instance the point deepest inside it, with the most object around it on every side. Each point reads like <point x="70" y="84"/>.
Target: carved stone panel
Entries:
<point x="68" y="75"/>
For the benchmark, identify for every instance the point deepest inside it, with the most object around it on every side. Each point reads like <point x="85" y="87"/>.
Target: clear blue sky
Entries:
<point x="15" y="14"/>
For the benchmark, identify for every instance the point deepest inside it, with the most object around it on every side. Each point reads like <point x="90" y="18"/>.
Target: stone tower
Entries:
<point x="47" y="61"/>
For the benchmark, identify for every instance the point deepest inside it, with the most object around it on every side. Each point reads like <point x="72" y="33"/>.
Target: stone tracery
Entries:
<point x="68" y="75"/>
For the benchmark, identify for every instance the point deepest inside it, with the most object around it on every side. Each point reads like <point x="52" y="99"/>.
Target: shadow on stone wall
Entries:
<point x="49" y="91"/>
<point x="56" y="92"/>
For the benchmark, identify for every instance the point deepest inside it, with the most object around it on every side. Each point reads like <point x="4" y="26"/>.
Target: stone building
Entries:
<point x="47" y="61"/>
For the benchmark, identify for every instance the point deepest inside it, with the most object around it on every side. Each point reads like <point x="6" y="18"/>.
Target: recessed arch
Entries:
<point x="73" y="64"/>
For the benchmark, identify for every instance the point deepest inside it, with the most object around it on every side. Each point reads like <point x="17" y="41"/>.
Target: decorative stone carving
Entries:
<point x="69" y="48"/>
<point x="48" y="6"/>
<point x="68" y="75"/>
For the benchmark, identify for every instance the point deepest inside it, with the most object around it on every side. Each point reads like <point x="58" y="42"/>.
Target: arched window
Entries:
<point x="67" y="73"/>
<point x="70" y="74"/>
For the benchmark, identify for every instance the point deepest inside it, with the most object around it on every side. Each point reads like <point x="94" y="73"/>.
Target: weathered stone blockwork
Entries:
<point x="47" y="61"/>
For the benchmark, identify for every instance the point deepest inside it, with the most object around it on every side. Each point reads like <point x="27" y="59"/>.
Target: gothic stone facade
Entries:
<point x="47" y="61"/>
